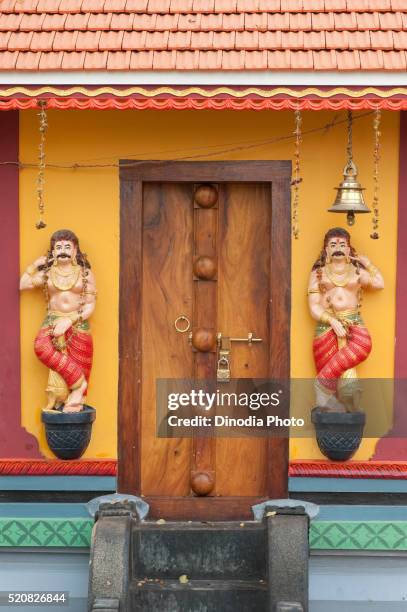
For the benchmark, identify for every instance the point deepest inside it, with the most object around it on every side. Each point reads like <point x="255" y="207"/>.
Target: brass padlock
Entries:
<point x="223" y="370"/>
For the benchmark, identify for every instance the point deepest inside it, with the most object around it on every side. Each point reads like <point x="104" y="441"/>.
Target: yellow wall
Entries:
<point x="87" y="201"/>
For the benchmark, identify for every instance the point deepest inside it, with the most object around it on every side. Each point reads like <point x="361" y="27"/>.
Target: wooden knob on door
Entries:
<point x="202" y="483"/>
<point x="203" y="339"/>
<point x="206" y="196"/>
<point x="205" y="267"/>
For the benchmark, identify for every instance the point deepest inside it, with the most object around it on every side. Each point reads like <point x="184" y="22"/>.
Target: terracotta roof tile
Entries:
<point x="324" y="60"/>
<point x="158" y="6"/>
<point x="70" y="6"/>
<point x="337" y="40"/>
<point x="179" y="40"/>
<point x="77" y="21"/>
<point x="225" y="6"/>
<point x="256" y="21"/>
<point x="300" y="21"/>
<point x="42" y="41"/>
<point x="65" y="41"/>
<point x="335" y="5"/>
<point x="247" y="40"/>
<point x="134" y="40"/>
<point x="115" y="6"/>
<point x="4" y="38"/>
<point x="28" y="61"/>
<point x="181" y="6"/>
<point x="92" y="6"/>
<point x="390" y="21"/>
<point x="278" y="60"/>
<point x="19" y="41"/>
<point x="157" y="40"/>
<point x="204" y="34"/>
<point x="31" y="22"/>
<point x="345" y="21"/>
<point x="224" y="40"/>
<point x="270" y="40"/>
<point x="278" y="21"/>
<point x="53" y="21"/>
<point x="188" y="60"/>
<point x="136" y="6"/>
<point x="400" y="40"/>
<point x="141" y="60"/>
<point x="167" y="22"/>
<point x="348" y="60"/>
<point x="292" y="40"/>
<point x="48" y="6"/>
<point x="371" y="60"/>
<point x="99" y="21"/>
<point x="322" y="21"/>
<point x="8" y="60"/>
<point x="111" y="41"/>
<point x="210" y="60"/>
<point x="96" y="61"/>
<point x="382" y="40"/>
<point x="314" y="40"/>
<point x="233" y="22"/>
<point x="164" y="60"/>
<point x="144" y="22"/>
<point x="88" y="41"/>
<point x="256" y="60"/>
<point x="212" y="22"/>
<point x="359" y="40"/>
<point x="10" y="22"/>
<point x="367" y="21"/>
<point x="394" y="60"/>
<point x="122" y="21"/>
<point x="233" y="60"/>
<point x="202" y="40"/>
<point x="73" y="60"/>
<point x="120" y="60"/>
<point x="26" y="6"/>
<point x="50" y="61"/>
<point x="203" y="6"/>
<point x="189" y="22"/>
<point x="301" y="60"/>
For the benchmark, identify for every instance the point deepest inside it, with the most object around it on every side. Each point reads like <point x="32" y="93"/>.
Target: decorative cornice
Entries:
<point x="324" y="535"/>
<point x="200" y="98"/>
<point x="85" y="467"/>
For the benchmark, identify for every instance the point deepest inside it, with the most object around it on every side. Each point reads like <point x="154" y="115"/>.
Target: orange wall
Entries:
<point x="87" y="201"/>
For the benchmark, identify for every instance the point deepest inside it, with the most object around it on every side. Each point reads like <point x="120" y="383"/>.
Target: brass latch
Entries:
<point x="223" y="370"/>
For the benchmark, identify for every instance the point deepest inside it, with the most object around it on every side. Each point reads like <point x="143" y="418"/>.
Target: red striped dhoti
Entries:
<point x="74" y="362"/>
<point x="331" y="361"/>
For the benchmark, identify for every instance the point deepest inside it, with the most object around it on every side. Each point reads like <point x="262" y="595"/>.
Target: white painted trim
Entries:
<point x="260" y="78"/>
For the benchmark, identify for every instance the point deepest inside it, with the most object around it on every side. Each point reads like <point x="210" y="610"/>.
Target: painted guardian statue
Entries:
<point x="342" y="340"/>
<point x="64" y="343"/>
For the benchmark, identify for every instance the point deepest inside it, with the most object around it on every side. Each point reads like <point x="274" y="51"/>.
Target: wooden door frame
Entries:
<point x="132" y="176"/>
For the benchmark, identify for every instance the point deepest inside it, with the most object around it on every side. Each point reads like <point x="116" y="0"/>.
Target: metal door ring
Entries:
<point x="182" y="318"/>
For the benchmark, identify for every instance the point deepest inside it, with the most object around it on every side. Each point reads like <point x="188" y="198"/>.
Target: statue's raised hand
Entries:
<point x="365" y="261"/>
<point x="41" y="261"/>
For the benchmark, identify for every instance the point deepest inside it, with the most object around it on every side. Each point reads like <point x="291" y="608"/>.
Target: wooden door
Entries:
<point x="237" y="216"/>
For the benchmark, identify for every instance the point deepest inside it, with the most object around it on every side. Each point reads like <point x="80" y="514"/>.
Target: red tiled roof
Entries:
<point x="203" y="35"/>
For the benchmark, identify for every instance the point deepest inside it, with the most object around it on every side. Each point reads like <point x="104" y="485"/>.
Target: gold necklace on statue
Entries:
<point x="64" y="281"/>
<point x="333" y="276"/>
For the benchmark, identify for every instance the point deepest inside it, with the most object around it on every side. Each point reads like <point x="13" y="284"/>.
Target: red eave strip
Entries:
<point x="206" y="104"/>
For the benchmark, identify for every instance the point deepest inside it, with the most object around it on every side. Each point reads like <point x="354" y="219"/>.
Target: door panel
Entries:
<point x="246" y="235"/>
<point x="243" y="306"/>
<point x="166" y="292"/>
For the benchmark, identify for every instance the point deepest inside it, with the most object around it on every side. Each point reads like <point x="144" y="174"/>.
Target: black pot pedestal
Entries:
<point x="338" y="434"/>
<point x="68" y="433"/>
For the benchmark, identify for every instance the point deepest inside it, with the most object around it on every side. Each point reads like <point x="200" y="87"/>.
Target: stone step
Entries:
<point x="197" y="596"/>
<point x="202" y="551"/>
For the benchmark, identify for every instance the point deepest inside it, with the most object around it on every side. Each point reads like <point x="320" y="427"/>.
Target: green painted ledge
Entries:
<point x="324" y="535"/>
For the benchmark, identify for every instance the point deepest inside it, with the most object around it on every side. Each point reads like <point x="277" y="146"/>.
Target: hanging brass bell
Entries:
<point x="349" y="198"/>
